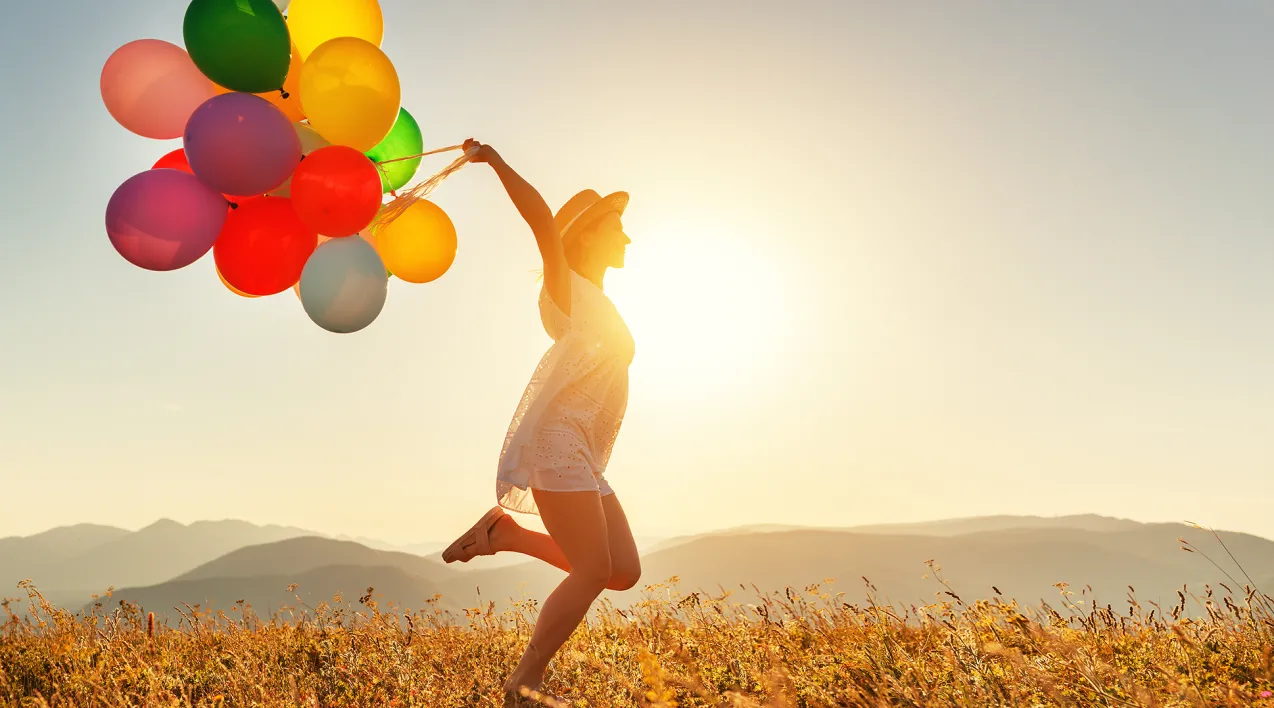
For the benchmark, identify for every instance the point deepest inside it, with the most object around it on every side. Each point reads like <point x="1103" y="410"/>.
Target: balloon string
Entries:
<point x="380" y="166"/>
<point x="402" y="202"/>
<point x="423" y="154"/>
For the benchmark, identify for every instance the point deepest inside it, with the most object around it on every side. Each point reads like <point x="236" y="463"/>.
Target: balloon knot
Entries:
<point x="283" y="93"/>
<point x="233" y="205"/>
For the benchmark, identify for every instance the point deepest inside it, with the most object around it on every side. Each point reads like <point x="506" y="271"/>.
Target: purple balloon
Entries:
<point x="164" y="219"/>
<point x="238" y="143"/>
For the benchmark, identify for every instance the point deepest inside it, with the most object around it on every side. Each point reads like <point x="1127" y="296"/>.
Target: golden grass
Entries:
<point x="808" y="648"/>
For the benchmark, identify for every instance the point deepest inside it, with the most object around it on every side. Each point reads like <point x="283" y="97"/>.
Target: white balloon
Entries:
<point x="283" y="5"/>
<point x="344" y="285"/>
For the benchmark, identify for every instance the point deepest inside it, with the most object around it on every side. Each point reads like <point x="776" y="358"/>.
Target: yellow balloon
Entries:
<point x="419" y="245"/>
<point x="232" y="288"/>
<point x="313" y="22"/>
<point x="350" y="92"/>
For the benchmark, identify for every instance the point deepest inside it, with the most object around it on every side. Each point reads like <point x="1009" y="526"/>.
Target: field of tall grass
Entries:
<point x="734" y="648"/>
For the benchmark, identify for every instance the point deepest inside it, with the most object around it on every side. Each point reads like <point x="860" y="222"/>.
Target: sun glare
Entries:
<point x="704" y="310"/>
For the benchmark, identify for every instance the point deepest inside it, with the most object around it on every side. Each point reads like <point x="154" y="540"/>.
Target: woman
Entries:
<point x="554" y="458"/>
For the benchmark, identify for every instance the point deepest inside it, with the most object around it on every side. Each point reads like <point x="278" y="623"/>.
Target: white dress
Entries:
<point x="566" y="423"/>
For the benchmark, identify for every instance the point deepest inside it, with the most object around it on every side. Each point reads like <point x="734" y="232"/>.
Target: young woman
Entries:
<point x="554" y="458"/>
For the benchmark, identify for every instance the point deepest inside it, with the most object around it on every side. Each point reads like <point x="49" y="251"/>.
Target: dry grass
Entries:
<point x="807" y="648"/>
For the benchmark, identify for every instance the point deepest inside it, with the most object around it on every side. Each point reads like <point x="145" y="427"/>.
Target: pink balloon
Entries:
<point x="164" y="219"/>
<point x="238" y="143"/>
<point x="151" y="87"/>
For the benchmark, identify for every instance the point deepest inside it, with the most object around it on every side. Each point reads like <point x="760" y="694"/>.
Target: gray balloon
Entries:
<point x="343" y="285"/>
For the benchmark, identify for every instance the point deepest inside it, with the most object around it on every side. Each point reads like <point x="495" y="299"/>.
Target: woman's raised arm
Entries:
<point x="539" y="217"/>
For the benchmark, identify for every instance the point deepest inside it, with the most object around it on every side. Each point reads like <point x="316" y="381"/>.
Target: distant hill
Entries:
<point x="979" y="524"/>
<point x="23" y="557"/>
<point x="1022" y="562"/>
<point x="267" y="593"/>
<point x="943" y="527"/>
<point x="421" y="549"/>
<point x="71" y="563"/>
<point x="305" y="554"/>
<point x="1023" y="556"/>
<point x="68" y="541"/>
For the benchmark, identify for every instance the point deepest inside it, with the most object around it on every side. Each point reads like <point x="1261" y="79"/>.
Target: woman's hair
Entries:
<point x="574" y="251"/>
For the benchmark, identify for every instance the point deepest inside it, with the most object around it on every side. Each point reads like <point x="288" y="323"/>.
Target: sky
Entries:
<point x="891" y="262"/>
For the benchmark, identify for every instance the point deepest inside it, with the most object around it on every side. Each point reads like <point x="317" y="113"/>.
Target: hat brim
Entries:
<point x="616" y="202"/>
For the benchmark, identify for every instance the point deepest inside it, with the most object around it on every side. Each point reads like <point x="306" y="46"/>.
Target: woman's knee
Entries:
<point x="596" y="572"/>
<point x="624" y="575"/>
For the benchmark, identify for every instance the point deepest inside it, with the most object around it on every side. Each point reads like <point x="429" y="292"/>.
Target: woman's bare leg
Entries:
<point x="508" y="536"/>
<point x="625" y="564"/>
<point x="577" y="522"/>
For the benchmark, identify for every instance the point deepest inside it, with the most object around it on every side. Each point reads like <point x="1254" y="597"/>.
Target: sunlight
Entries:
<point x="705" y="309"/>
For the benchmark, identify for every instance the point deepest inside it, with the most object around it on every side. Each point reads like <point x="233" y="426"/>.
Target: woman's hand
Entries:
<point x="485" y="153"/>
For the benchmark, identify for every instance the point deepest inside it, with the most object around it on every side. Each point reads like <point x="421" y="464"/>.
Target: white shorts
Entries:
<point x="559" y="460"/>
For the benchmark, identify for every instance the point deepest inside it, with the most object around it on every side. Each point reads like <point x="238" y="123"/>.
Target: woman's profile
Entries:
<point x="554" y="458"/>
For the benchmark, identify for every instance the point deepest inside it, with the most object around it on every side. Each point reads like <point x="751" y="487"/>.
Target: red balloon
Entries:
<point x="263" y="247"/>
<point x="176" y="160"/>
<point x="336" y="191"/>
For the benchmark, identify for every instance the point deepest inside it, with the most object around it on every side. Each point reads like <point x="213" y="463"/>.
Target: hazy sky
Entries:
<point x="891" y="262"/>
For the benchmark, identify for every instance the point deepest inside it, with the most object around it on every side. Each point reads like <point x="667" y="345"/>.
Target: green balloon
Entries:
<point x="404" y="139"/>
<point x="242" y="45"/>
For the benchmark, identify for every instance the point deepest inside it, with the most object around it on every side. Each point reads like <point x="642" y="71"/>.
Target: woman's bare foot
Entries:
<point x="502" y="534"/>
<point x="534" y="699"/>
<point x="529" y="673"/>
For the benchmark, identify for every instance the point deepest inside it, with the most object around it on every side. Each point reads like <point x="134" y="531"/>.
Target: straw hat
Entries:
<point x="584" y="209"/>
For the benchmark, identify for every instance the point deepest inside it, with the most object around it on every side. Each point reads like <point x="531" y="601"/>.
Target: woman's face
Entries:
<point x="606" y="241"/>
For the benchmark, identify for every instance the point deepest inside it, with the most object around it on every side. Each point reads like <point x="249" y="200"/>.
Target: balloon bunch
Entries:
<point x="292" y="138"/>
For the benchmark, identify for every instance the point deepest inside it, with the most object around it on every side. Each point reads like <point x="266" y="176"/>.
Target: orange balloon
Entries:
<point x="232" y="288"/>
<point x="420" y="244"/>
<point x="291" y="106"/>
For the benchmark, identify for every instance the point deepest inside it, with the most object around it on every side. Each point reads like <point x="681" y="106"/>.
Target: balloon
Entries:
<point x="164" y="219"/>
<point x="343" y="286"/>
<point x="151" y="87"/>
<point x="176" y="160"/>
<point x="232" y="288"/>
<point x="239" y="44"/>
<point x="367" y="234"/>
<point x="310" y="141"/>
<point x="283" y="5"/>
<point x="287" y="100"/>
<point x="263" y="246"/>
<point x="336" y="191"/>
<point x="420" y="244"/>
<point x="313" y="22"/>
<point x="238" y="143"/>
<point x="404" y="139"/>
<point x="350" y="92"/>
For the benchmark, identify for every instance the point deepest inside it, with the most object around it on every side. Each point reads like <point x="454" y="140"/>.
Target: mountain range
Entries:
<point x="219" y="563"/>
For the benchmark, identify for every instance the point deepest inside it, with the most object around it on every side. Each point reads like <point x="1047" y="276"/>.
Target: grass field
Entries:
<point x="740" y="648"/>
